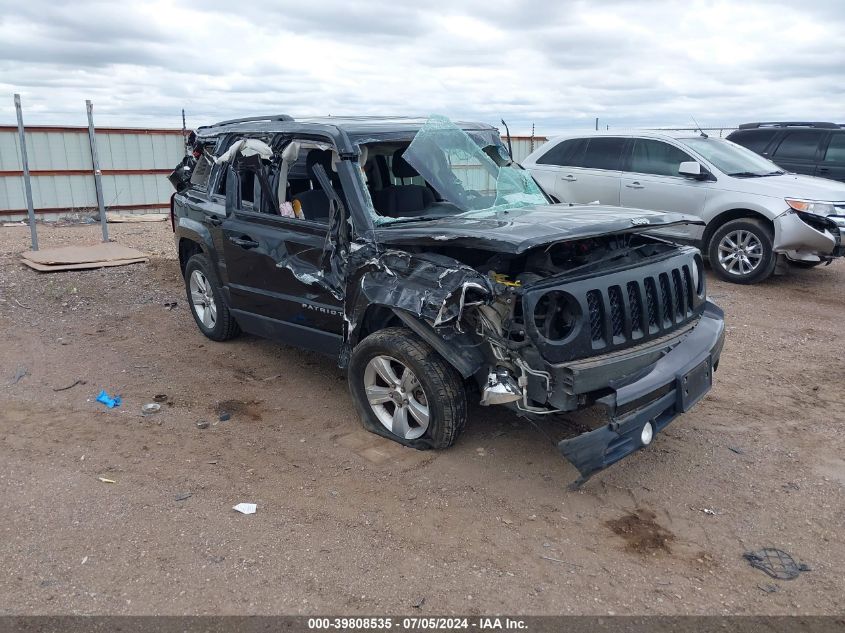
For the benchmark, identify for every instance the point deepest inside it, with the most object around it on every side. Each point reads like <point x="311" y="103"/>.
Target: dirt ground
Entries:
<point x="349" y="523"/>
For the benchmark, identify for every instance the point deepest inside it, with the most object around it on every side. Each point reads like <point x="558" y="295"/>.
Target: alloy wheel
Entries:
<point x="202" y="299"/>
<point x="396" y="397"/>
<point x="740" y="252"/>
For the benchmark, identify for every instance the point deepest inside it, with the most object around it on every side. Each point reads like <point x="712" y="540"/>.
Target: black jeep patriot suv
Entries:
<point x="427" y="263"/>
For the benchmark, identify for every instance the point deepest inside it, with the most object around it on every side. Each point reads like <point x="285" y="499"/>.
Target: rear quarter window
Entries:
<point x="800" y="144"/>
<point x="755" y="140"/>
<point x="836" y="149"/>
<point x="564" y="154"/>
<point x="201" y="173"/>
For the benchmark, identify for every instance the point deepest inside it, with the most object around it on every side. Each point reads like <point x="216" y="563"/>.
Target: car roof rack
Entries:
<point x="815" y="124"/>
<point x="250" y="119"/>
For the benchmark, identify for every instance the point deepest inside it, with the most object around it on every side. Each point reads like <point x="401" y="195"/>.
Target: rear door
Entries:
<point x="833" y="161"/>
<point x="582" y="170"/>
<point x="651" y="181"/>
<point x="799" y="150"/>
<point x="272" y="263"/>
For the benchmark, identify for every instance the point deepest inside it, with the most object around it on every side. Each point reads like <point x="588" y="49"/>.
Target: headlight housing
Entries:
<point x="810" y="206"/>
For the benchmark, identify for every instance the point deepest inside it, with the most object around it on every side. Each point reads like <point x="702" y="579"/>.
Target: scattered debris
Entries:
<point x="183" y="495"/>
<point x="202" y="424"/>
<point x="791" y="485"/>
<point x="19" y="375"/>
<point x="557" y="560"/>
<point x="245" y="508"/>
<point x="776" y="563"/>
<point x="106" y="480"/>
<point x="708" y="511"/>
<point x="84" y="560"/>
<point x="736" y="450"/>
<point x="106" y="399"/>
<point x="150" y="408"/>
<point x="112" y="217"/>
<point x="419" y="603"/>
<point x="160" y="397"/>
<point x="70" y="386"/>
<point x="171" y="304"/>
<point x="22" y="305"/>
<point x="81" y="257"/>
<point x="768" y="588"/>
<point x="224" y="417"/>
<point x="212" y="462"/>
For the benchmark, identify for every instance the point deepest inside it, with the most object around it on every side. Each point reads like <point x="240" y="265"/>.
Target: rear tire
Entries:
<point x="405" y="391"/>
<point x="205" y="297"/>
<point x="740" y="251"/>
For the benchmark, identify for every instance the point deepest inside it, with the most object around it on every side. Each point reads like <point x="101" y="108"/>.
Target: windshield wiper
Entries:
<point x="746" y="174"/>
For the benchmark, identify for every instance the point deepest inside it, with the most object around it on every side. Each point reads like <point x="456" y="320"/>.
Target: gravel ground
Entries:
<point x="350" y="523"/>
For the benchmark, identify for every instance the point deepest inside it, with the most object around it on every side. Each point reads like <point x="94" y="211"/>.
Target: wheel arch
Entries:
<point x="726" y="216"/>
<point x="188" y="247"/>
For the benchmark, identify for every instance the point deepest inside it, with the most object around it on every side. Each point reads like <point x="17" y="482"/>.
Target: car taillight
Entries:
<point x="173" y="212"/>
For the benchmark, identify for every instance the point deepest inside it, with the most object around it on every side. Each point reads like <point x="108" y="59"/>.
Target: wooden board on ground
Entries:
<point x="135" y="217"/>
<point x="82" y="257"/>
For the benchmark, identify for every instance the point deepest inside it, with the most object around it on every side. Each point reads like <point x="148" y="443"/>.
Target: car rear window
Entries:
<point x="800" y="144"/>
<point x="755" y="140"/>
<point x="202" y="170"/>
<point x="836" y="149"/>
<point x="564" y="154"/>
<point x="603" y="153"/>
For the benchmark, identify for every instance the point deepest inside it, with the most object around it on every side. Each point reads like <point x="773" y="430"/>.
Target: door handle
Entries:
<point x="214" y="221"/>
<point x="824" y="170"/>
<point x="634" y="185"/>
<point x="569" y="178"/>
<point x="243" y="242"/>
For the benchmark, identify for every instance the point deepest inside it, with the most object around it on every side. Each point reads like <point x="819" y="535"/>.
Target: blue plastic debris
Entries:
<point x="107" y="400"/>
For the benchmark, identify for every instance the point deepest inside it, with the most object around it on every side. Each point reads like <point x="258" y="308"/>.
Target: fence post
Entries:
<point x="27" y="184"/>
<point x="98" y="181"/>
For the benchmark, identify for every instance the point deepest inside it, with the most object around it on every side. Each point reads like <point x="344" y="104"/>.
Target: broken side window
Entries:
<point x="201" y="173"/>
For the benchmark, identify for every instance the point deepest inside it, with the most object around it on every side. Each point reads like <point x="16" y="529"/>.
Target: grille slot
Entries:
<point x="651" y="301"/>
<point x="666" y="297"/>
<point x="679" y="294"/>
<point x="636" y="308"/>
<point x="617" y="310"/>
<point x="594" y="303"/>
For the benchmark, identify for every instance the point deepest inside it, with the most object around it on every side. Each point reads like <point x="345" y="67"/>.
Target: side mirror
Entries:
<point x="693" y="169"/>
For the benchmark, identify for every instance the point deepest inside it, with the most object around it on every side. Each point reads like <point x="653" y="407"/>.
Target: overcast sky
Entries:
<point x="557" y="64"/>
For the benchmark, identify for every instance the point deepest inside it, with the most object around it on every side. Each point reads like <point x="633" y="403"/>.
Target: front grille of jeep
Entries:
<point x="617" y="317"/>
<point x="615" y="311"/>
<point x="664" y="309"/>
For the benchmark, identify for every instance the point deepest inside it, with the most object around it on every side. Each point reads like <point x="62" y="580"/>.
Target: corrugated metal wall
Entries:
<point x="134" y="164"/>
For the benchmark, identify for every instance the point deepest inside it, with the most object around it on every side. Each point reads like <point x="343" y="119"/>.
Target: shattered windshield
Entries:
<point x="463" y="177"/>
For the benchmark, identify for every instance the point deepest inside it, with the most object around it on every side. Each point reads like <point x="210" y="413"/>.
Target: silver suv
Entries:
<point x="753" y="212"/>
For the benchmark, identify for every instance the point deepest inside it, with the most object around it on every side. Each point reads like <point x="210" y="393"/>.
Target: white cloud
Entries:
<point x="556" y="64"/>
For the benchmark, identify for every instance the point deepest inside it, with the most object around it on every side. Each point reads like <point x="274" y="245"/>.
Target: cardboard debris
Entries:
<point x="81" y="257"/>
<point x="135" y="217"/>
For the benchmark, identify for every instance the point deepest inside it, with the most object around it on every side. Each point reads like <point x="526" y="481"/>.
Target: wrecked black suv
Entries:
<point x="428" y="264"/>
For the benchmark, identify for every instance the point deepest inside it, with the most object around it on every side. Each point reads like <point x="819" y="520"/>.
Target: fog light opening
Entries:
<point x="647" y="434"/>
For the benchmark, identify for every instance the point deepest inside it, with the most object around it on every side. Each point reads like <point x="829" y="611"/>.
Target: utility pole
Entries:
<point x="27" y="184"/>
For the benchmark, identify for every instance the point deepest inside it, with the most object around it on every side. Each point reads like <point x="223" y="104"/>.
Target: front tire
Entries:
<point x="405" y="391"/>
<point x="740" y="251"/>
<point x="206" y="300"/>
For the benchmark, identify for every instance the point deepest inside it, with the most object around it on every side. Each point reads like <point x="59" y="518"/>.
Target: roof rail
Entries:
<point x="251" y="119"/>
<point x="815" y="124"/>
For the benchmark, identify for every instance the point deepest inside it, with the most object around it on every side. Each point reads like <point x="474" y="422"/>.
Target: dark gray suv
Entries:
<point x="431" y="268"/>
<point x="814" y="149"/>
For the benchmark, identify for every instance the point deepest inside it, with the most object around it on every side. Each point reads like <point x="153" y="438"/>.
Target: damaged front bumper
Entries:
<point x="640" y="407"/>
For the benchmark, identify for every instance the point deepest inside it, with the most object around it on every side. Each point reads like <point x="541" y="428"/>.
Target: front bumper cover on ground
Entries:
<point x="671" y="386"/>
